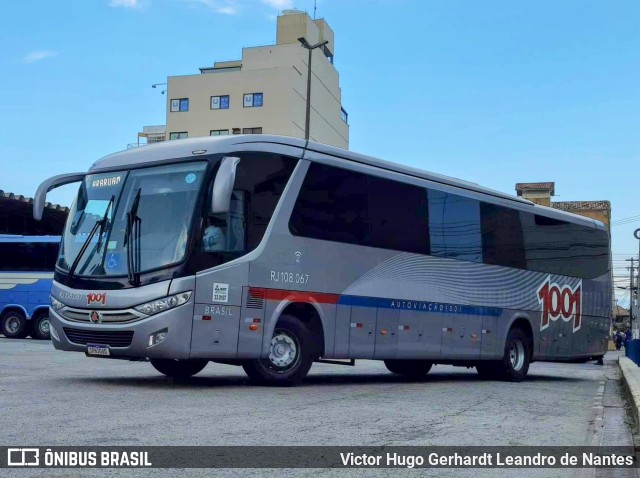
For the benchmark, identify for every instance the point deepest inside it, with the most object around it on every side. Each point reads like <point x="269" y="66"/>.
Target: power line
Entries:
<point x="624" y="219"/>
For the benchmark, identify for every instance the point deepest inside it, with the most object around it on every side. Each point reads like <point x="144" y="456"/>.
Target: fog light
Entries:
<point x="158" y="337"/>
<point x="53" y="333"/>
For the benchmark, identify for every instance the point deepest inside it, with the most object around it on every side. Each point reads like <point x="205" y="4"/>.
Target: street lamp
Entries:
<point x="155" y="85"/>
<point x="309" y="47"/>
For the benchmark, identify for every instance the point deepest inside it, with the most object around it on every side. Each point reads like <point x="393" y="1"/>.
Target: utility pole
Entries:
<point x="634" y="325"/>
<point x="308" y="46"/>
<point x="636" y="234"/>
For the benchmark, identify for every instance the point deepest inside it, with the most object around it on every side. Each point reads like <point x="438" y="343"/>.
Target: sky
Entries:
<point x="495" y="92"/>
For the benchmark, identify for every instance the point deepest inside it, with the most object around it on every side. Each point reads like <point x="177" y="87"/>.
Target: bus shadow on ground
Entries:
<point x="229" y="381"/>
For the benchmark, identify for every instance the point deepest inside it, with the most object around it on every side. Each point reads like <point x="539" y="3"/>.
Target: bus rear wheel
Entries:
<point x="40" y="326"/>
<point x="13" y="324"/>
<point x="410" y="368"/>
<point x="178" y="368"/>
<point x="291" y="355"/>
<point x="515" y="361"/>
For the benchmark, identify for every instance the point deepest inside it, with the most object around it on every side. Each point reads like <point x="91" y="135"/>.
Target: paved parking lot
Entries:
<point x="61" y="398"/>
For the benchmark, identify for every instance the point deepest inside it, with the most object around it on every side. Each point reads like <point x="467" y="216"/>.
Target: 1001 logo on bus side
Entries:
<point x="560" y="302"/>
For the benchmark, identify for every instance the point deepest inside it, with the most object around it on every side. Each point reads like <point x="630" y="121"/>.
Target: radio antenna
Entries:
<point x="315" y="7"/>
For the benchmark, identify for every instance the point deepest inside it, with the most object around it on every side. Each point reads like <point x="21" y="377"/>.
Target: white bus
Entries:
<point x="271" y="253"/>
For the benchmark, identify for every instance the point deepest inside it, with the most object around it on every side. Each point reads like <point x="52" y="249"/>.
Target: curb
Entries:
<point x="631" y="380"/>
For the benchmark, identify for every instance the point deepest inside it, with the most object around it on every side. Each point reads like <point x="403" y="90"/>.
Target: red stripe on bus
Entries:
<point x="295" y="296"/>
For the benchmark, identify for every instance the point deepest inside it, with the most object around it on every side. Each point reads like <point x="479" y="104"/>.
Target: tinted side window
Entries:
<point x="28" y="256"/>
<point x="399" y="216"/>
<point x="454" y="225"/>
<point x="260" y="181"/>
<point x="559" y="247"/>
<point x="263" y="179"/>
<point x="332" y="205"/>
<point x="502" y="238"/>
<point x="51" y="255"/>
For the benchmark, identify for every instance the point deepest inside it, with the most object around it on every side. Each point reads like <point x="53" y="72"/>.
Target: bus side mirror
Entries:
<point x="41" y="194"/>
<point x="223" y="185"/>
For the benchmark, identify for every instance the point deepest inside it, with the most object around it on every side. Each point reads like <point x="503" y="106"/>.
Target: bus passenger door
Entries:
<point x="362" y="328"/>
<point x="386" y="332"/>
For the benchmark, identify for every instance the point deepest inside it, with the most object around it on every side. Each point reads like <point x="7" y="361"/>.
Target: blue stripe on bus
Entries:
<point x="419" y="306"/>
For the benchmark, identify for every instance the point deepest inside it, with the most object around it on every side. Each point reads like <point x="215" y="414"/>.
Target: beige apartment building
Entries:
<point x="264" y="92"/>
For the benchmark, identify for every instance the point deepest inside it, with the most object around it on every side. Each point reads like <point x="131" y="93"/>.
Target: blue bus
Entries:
<point x="26" y="272"/>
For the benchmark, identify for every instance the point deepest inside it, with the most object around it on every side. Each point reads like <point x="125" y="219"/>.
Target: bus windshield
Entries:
<point x="166" y="204"/>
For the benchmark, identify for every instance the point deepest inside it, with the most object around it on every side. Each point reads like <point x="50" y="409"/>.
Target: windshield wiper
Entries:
<point x="100" y="223"/>
<point x="103" y="223"/>
<point x="132" y="241"/>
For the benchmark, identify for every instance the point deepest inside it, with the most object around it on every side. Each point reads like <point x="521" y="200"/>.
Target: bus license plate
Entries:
<point x="97" y="349"/>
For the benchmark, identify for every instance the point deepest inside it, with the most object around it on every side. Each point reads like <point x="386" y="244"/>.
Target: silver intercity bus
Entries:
<point x="271" y="253"/>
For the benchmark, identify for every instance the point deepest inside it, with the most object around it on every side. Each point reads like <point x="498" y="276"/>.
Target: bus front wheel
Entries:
<point x="411" y="368"/>
<point x="13" y="324"/>
<point x="291" y="355"/>
<point x="178" y="368"/>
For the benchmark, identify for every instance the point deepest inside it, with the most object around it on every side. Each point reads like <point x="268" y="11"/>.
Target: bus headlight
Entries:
<point x="166" y="303"/>
<point x="56" y="305"/>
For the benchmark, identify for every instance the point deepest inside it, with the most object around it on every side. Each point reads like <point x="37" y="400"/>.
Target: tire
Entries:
<point x="410" y="368"/>
<point x="515" y="362"/>
<point x="291" y="356"/>
<point x="13" y="324"/>
<point x="179" y="368"/>
<point x="40" y="327"/>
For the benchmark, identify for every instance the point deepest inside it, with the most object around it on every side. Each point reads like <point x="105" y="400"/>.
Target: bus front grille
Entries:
<point x="115" y="338"/>
<point x="108" y="316"/>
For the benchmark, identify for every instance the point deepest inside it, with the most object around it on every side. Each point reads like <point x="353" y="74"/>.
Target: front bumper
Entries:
<point x="176" y="345"/>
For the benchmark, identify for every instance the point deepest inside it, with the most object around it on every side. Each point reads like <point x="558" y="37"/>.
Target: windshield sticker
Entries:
<point x="113" y="261"/>
<point x="105" y="182"/>
<point x="112" y="245"/>
<point x="220" y="292"/>
<point x="190" y="178"/>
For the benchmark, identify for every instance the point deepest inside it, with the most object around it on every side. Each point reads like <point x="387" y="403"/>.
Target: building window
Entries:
<point x="220" y="102"/>
<point x="179" y="135"/>
<point x="253" y="100"/>
<point x="344" y="116"/>
<point x="251" y="130"/>
<point x="218" y="132"/>
<point x="180" y="104"/>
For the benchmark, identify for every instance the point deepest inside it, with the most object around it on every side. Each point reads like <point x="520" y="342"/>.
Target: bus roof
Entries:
<point x="17" y="238"/>
<point x="188" y="149"/>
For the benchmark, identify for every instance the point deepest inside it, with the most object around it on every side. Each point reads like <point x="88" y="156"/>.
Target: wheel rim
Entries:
<point x="516" y="354"/>
<point x="12" y="324"/>
<point x="44" y="326"/>
<point x="283" y="353"/>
